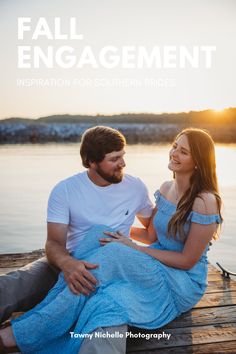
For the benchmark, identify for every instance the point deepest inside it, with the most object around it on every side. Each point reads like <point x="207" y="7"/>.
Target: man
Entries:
<point x="100" y="195"/>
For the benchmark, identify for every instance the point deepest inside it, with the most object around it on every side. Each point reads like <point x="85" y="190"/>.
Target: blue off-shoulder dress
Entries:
<point x="134" y="288"/>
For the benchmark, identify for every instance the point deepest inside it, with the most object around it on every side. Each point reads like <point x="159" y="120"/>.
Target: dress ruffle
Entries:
<point x="169" y="207"/>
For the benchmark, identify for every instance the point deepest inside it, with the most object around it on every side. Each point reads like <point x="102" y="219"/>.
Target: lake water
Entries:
<point x="28" y="173"/>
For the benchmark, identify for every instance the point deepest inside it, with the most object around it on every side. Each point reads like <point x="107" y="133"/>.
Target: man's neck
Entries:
<point x="96" y="178"/>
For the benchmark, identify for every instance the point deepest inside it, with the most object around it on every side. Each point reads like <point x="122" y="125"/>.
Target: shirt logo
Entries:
<point x="127" y="213"/>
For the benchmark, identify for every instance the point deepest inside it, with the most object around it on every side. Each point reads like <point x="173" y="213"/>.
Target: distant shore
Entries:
<point x="137" y="128"/>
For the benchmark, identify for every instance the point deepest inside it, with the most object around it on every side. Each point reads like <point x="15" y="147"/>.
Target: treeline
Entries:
<point x="137" y="128"/>
<point x="226" y="116"/>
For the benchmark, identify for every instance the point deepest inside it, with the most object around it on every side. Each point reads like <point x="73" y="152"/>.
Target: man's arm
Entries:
<point x="56" y="244"/>
<point x="76" y="273"/>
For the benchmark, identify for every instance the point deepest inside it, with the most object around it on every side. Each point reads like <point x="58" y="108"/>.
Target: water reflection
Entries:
<point x="28" y="173"/>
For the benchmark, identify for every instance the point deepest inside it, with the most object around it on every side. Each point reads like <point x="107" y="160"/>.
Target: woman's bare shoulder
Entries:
<point x="205" y="203"/>
<point x="165" y="187"/>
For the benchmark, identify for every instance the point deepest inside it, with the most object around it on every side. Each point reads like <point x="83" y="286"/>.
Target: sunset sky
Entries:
<point x="120" y="23"/>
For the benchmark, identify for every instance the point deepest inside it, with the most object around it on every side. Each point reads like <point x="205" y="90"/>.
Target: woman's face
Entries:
<point x="180" y="158"/>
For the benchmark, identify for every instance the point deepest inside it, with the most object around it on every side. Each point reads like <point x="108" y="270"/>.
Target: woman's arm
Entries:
<point x="139" y="234"/>
<point x="145" y="235"/>
<point x="198" y="238"/>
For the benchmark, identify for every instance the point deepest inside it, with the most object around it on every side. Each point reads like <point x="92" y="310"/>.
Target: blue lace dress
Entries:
<point x="134" y="288"/>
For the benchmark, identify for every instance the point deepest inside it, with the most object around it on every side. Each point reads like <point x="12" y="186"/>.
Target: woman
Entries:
<point x="145" y="287"/>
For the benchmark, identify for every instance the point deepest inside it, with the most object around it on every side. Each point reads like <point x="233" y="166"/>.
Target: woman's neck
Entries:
<point x="182" y="184"/>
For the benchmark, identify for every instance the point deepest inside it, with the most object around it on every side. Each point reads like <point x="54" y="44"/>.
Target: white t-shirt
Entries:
<point x="81" y="204"/>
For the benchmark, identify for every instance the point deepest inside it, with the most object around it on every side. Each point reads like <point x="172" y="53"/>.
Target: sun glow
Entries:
<point x="219" y="111"/>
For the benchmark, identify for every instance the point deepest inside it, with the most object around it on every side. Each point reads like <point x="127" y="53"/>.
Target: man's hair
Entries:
<point x="97" y="142"/>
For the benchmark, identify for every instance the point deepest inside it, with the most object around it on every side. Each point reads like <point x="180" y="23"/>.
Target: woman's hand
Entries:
<point x="116" y="237"/>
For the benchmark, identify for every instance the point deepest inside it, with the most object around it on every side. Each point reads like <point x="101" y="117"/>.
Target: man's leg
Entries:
<point x="22" y="289"/>
<point x="106" y="345"/>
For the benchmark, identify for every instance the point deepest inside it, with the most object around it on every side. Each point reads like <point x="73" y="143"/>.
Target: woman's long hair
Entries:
<point x="203" y="179"/>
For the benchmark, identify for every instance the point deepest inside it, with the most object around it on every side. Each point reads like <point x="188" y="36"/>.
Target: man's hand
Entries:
<point x="77" y="276"/>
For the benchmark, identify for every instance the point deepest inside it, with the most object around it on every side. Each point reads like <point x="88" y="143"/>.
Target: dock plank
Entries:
<point x="189" y="336"/>
<point x="216" y="348"/>
<point x="204" y="316"/>
<point x="220" y="285"/>
<point x="210" y="327"/>
<point x="220" y="298"/>
<point x="17" y="260"/>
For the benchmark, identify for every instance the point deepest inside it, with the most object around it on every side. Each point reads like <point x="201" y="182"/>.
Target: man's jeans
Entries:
<point x="22" y="289"/>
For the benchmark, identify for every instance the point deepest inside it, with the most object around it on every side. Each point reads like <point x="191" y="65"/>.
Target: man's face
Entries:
<point x="111" y="167"/>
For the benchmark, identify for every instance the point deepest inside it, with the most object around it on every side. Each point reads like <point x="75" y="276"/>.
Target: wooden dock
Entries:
<point x="210" y="327"/>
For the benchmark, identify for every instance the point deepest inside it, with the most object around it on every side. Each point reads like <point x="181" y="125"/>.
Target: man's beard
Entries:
<point x="108" y="177"/>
